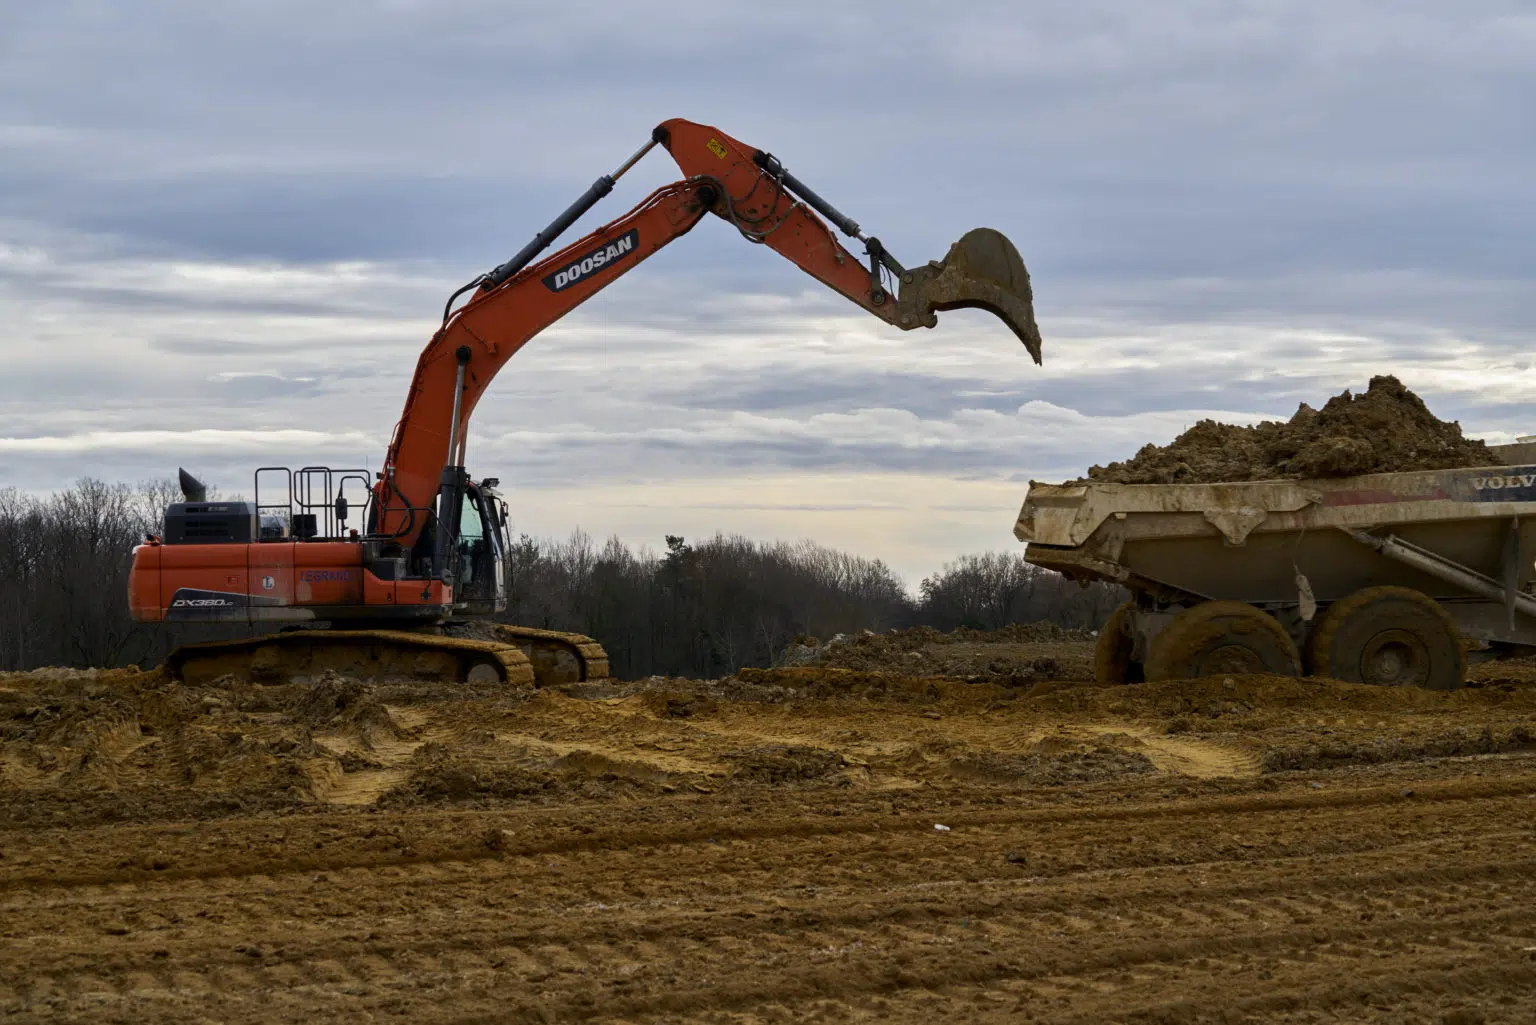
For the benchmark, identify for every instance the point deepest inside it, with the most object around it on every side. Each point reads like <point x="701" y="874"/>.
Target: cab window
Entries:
<point x="471" y="529"/>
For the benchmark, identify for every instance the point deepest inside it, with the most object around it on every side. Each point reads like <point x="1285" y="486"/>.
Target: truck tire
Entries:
<point x="1222" y="638"/>
<point x="1390" y="637"/>
<point x="1112" y="662"/>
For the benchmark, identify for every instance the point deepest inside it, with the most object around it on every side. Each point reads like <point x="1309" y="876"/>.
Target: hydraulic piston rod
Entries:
<point x="596" y="191"/>
<point x="450" y="491"/>
<point x="1453" y="573"/>
<point x="847" y="225"/>
<point x="542" y="241"/>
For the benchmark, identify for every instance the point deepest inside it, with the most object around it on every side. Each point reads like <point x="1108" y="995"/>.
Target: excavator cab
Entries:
<point x="480" y="552"/>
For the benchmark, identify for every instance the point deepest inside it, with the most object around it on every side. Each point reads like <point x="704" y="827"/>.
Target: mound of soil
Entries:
<point x="835" y="684"/>
<point x="328" y="699"/>
<point x="441" y="773"/>
<point x="107" y="747"/>
<point x="1457" y="743"/>
<point x="783" y="763"/>
<point x="476" y="768"/>
<point x="674" y="705"/>
<point x="1046" y="765"/>
<point x="1017" y="655"/>
<point x="1387" y="429"/>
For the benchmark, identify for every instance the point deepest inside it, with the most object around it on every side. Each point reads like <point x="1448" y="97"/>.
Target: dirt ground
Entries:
<point x="1385" y="429"/>
<point x="806" y="843"/>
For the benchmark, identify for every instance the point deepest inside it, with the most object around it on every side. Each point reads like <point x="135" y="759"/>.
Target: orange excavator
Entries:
<point x="388" y="599"/>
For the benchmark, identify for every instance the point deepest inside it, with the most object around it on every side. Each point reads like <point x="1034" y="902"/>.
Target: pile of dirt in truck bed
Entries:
<point x="1386" y="429"/>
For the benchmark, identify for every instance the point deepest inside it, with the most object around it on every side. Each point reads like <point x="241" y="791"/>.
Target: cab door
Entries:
<point x="271" y="571"/>
<point x="479" y="588"/>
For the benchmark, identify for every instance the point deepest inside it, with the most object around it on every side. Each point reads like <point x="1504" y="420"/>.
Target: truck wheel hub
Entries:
<point x="1394" y="658"/>
<point x="1236" y="659"/>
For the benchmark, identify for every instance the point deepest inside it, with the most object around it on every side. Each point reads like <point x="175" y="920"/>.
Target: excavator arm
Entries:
<point x="747" y="187"/>
<point x="770" y="205"/>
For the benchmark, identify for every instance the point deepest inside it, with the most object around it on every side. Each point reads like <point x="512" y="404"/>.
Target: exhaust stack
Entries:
<point x="192" y="489"/>
<point x="982" y="271"/>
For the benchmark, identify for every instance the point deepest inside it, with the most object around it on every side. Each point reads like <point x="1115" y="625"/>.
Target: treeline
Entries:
<point x="709" y="608"/>
<point x="699" y="609"/>
<point x="64" y="575"/>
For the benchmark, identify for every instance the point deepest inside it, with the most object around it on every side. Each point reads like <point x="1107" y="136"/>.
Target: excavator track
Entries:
<point x="516" y="656"/>
<point x="557" y="657"/>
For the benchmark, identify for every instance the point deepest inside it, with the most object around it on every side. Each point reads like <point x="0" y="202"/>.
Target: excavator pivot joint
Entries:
<point x="876" y="251"/>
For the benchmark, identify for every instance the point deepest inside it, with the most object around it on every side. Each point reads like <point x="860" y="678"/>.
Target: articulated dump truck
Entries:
<point x="1391" y="579"/>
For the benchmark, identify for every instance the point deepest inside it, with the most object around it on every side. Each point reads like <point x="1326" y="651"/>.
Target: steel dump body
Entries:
<point x="1469" y="535"/>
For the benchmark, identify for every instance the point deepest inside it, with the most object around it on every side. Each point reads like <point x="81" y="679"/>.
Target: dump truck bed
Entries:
<point x="1267" y="542"/>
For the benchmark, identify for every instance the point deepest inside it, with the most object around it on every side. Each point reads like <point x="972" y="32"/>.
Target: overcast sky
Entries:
<point x="227" y="229"/>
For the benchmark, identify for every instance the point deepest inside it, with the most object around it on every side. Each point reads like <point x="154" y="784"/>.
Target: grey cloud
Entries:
<point x="792" y="391"/>
<point x="227" y="347"/>
<point x="262" y="388"/>
<point x="1195" y="136"/>
<point x="289" y="216"/>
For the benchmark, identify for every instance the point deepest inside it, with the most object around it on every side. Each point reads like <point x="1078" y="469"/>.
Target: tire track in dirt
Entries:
<point x="1299" y="990"/>
<point x="1201" y="759"/>
<point x="553" y="943"/>
<point x="821" y="959"/>
<point x="1147" y="898"/>
<point x="544" y="833"/>
<point x="906" y="857"/>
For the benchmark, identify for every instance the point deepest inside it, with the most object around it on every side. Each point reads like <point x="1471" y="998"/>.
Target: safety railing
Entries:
<point x="312" y="503"/>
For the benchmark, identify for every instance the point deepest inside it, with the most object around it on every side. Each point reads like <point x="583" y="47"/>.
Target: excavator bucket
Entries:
<point x="981" y="271"/>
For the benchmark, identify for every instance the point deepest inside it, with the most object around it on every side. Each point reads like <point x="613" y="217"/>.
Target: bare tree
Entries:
<point x="992" y="590"/>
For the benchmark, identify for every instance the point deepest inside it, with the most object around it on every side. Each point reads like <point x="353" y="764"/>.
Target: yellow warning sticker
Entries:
<point x="716" y="147"/>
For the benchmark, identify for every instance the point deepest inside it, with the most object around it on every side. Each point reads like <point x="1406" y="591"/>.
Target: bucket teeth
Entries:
<point x="981" y="271"/>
